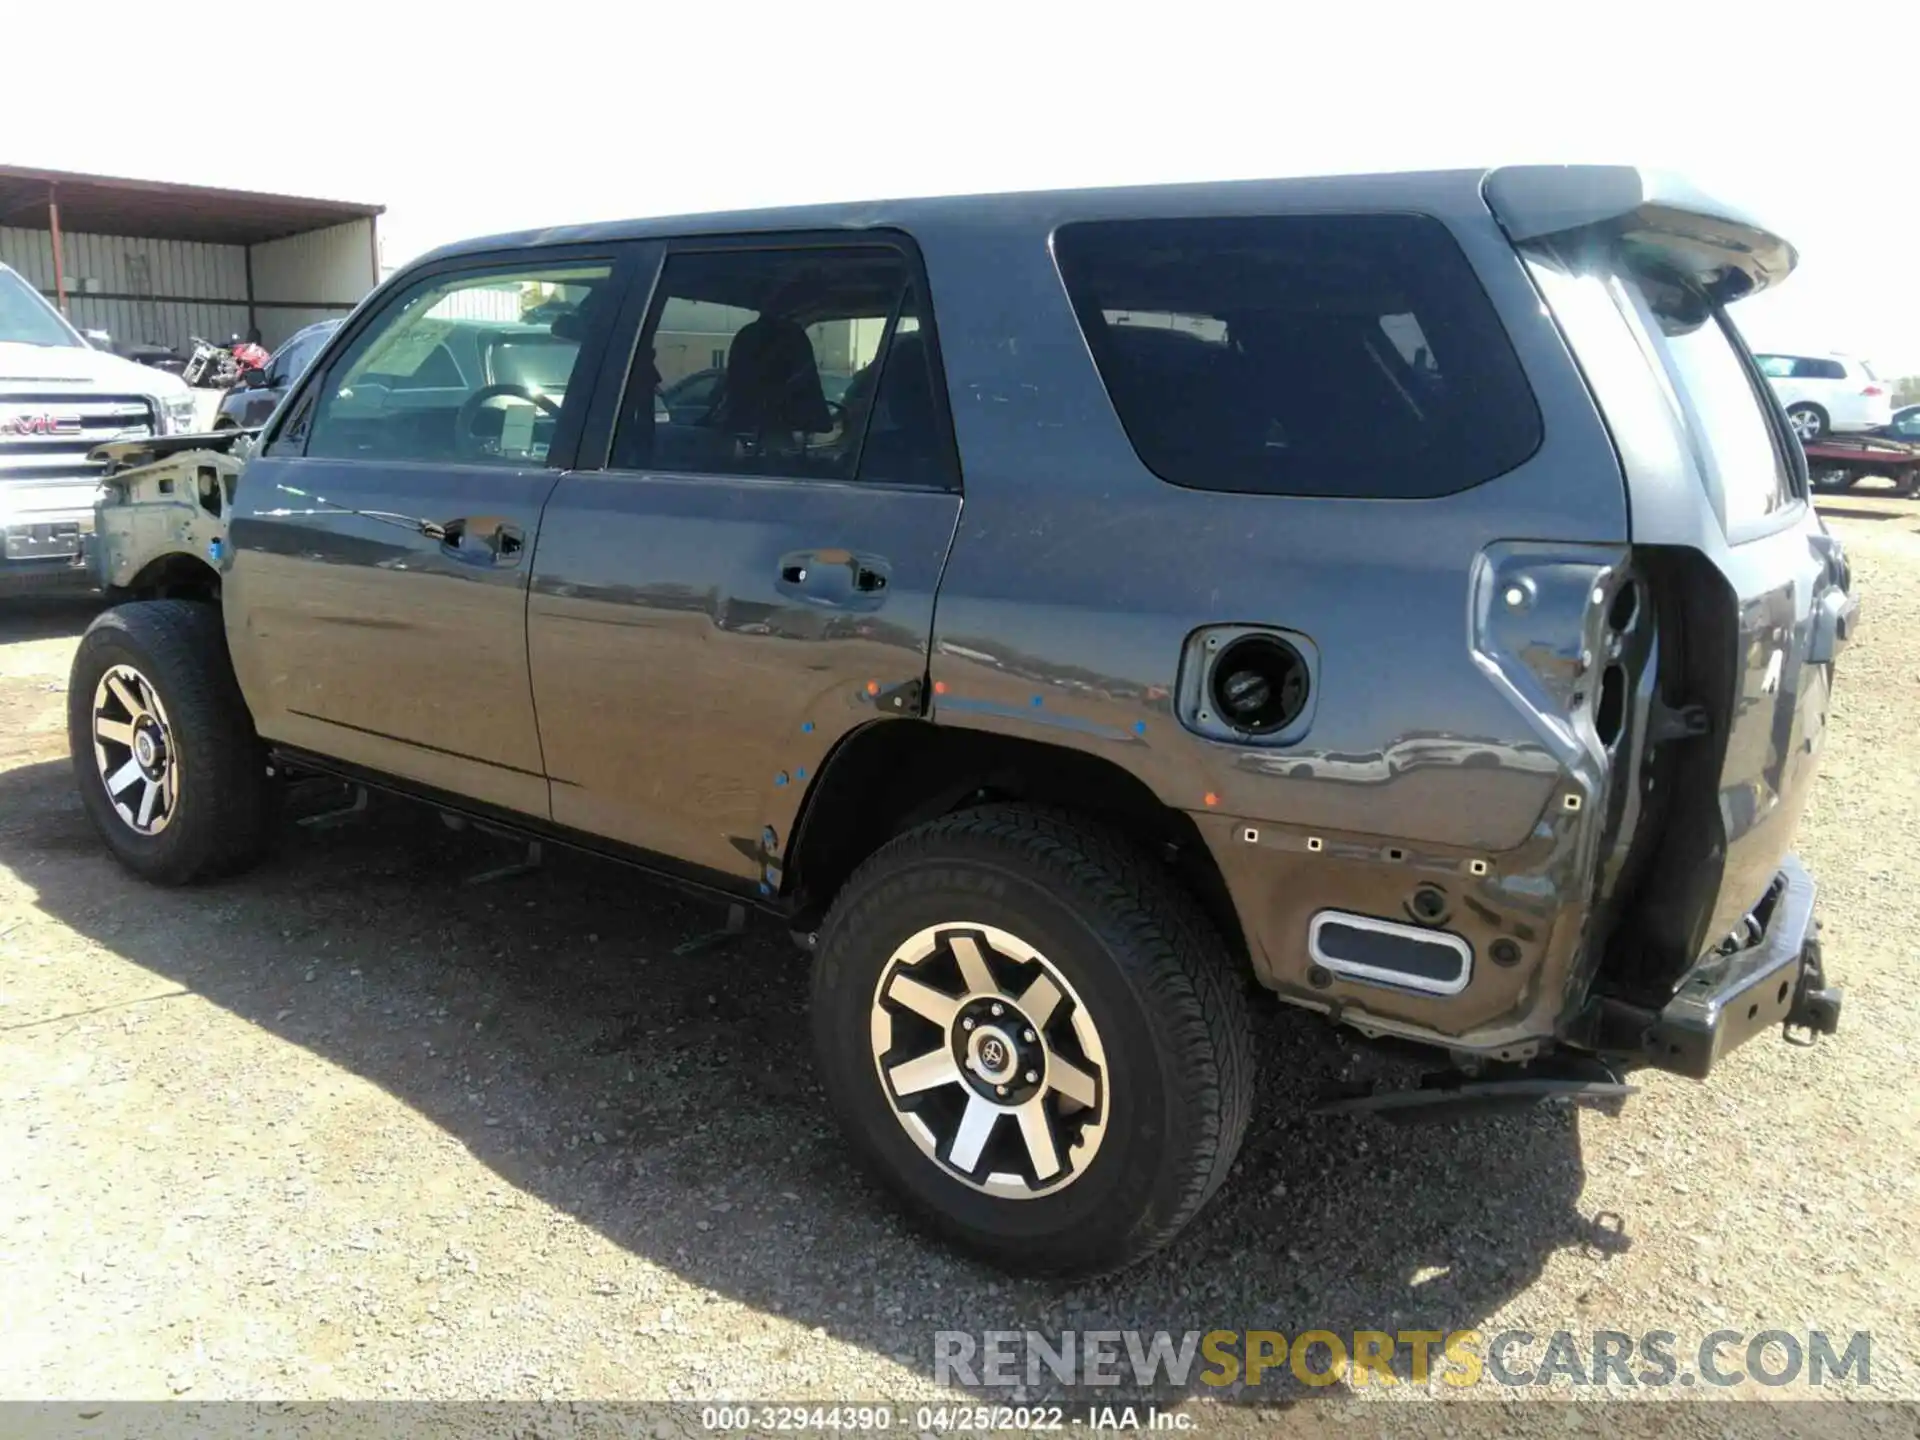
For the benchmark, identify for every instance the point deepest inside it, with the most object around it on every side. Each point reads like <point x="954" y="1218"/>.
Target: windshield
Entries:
<point x="26" y="319"/>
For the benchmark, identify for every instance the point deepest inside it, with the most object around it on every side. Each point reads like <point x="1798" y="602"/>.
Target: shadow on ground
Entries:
<point x="548" y="997"/>
<point x="62" y="617"/>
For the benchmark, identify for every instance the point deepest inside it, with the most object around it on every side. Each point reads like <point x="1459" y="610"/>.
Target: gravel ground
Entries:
<point x="349" y="1128"/>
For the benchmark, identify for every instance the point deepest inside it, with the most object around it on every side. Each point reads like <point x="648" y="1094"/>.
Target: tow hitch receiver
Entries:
<point x="1816" y="1005"/>
<point x="1729" y="997"/>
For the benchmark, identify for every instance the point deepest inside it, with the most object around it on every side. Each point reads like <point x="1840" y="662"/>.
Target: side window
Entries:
<point x="1776" y="367"/>
<point x="469" y="369"/>
<point x="1819" y="370"/>
<point x="438" y="371"/>
<point x="1340" y="355"/>
<point x="804" y="363"/>
<point x="905" y="438"/>
<point x="294" y="357"/>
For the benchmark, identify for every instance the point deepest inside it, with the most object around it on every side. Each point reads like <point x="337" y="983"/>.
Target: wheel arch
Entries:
<point x="177" y="575"/>
<point x="890" y="775"/>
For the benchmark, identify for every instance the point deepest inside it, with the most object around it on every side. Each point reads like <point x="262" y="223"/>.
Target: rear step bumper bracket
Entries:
<point x="1728" y="999"/>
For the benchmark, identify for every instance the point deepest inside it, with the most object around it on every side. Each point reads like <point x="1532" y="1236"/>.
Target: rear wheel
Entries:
<point x="164" y="752"/>
<point x="1034" y="1036"/>
<point x="1809" y="421"/>
<point x="1832" y="477"/>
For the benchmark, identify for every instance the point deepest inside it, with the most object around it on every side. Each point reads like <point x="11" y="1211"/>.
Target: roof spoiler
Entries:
<point x="1650" y="214"/>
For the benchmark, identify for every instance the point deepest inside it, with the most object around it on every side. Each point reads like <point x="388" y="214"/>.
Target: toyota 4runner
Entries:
<point x="1401" y="592"/>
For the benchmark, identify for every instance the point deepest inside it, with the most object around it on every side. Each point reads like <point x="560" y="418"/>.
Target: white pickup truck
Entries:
<point x="60" y="399"/>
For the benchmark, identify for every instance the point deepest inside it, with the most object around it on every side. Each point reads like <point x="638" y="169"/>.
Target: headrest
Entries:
<point x="773" y="382"/>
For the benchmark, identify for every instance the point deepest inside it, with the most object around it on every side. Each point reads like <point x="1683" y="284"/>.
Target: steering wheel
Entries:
<point x="471" y="444"/>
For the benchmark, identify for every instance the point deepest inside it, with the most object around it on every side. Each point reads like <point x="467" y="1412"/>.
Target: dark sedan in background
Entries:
<point x="250" y="402"/>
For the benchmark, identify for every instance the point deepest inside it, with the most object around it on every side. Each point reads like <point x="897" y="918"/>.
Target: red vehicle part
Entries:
<point x="1839" y="462"/>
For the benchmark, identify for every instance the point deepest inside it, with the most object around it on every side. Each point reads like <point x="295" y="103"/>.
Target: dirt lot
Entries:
<point x="350" y="1128"/>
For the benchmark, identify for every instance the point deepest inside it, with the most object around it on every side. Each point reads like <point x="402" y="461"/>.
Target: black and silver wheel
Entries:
<point x="133" y="750"/>
<point x="165" y="755"/>
<point x="1034" y="1035"/>
<point x="1809" y="421"/>
<point x="992" y="1063"/>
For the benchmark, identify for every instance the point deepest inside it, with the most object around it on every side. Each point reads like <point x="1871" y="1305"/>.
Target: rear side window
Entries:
<point x="1337" y="355"/>
<point x="1724" y="409"/>
<point x="804" y="363"/>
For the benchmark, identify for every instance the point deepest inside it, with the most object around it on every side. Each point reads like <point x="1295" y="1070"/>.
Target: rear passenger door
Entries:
<point x="723" y="590"/>
<point x="383" y="537"/>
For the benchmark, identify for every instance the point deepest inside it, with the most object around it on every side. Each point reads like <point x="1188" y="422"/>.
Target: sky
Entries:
<point x="474" y="119"/>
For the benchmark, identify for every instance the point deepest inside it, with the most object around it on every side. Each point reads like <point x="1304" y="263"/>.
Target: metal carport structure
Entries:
<point x="152" y="262"/>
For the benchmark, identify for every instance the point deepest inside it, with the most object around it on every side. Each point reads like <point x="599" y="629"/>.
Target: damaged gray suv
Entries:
<point x="1064" y="611"/>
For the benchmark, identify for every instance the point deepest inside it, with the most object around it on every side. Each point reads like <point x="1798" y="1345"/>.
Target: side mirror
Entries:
<point x="98" y="339"/>
<point x="253" y="378"/>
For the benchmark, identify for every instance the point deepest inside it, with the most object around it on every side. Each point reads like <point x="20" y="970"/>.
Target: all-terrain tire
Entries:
<point x="1132" y="947"/>
<point x="222" y="812"/>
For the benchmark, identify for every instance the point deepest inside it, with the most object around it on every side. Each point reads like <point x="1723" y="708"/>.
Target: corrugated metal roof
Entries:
<point x="108" y="205"/>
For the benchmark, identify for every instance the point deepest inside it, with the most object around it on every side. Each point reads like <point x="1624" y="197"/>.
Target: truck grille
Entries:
<point x="48" y="436"/>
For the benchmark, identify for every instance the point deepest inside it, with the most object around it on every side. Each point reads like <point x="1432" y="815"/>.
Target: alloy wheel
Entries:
<point x="989" y="1060"/>
<point x="133" y="750"/>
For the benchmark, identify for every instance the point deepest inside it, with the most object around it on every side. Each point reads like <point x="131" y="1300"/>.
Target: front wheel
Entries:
<point x="1035" y="1037"/>
<point x="164" y="752"/>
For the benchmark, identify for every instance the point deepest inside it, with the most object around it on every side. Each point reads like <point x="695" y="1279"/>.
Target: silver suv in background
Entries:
<point x="1826" y="393"/>
<point x="60" y="399"/>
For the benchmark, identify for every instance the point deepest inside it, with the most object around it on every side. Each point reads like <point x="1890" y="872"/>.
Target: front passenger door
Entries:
<point x="383" y="538"/>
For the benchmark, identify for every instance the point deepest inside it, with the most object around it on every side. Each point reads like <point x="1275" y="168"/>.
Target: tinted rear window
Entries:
<point x="1340" y="355"/>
